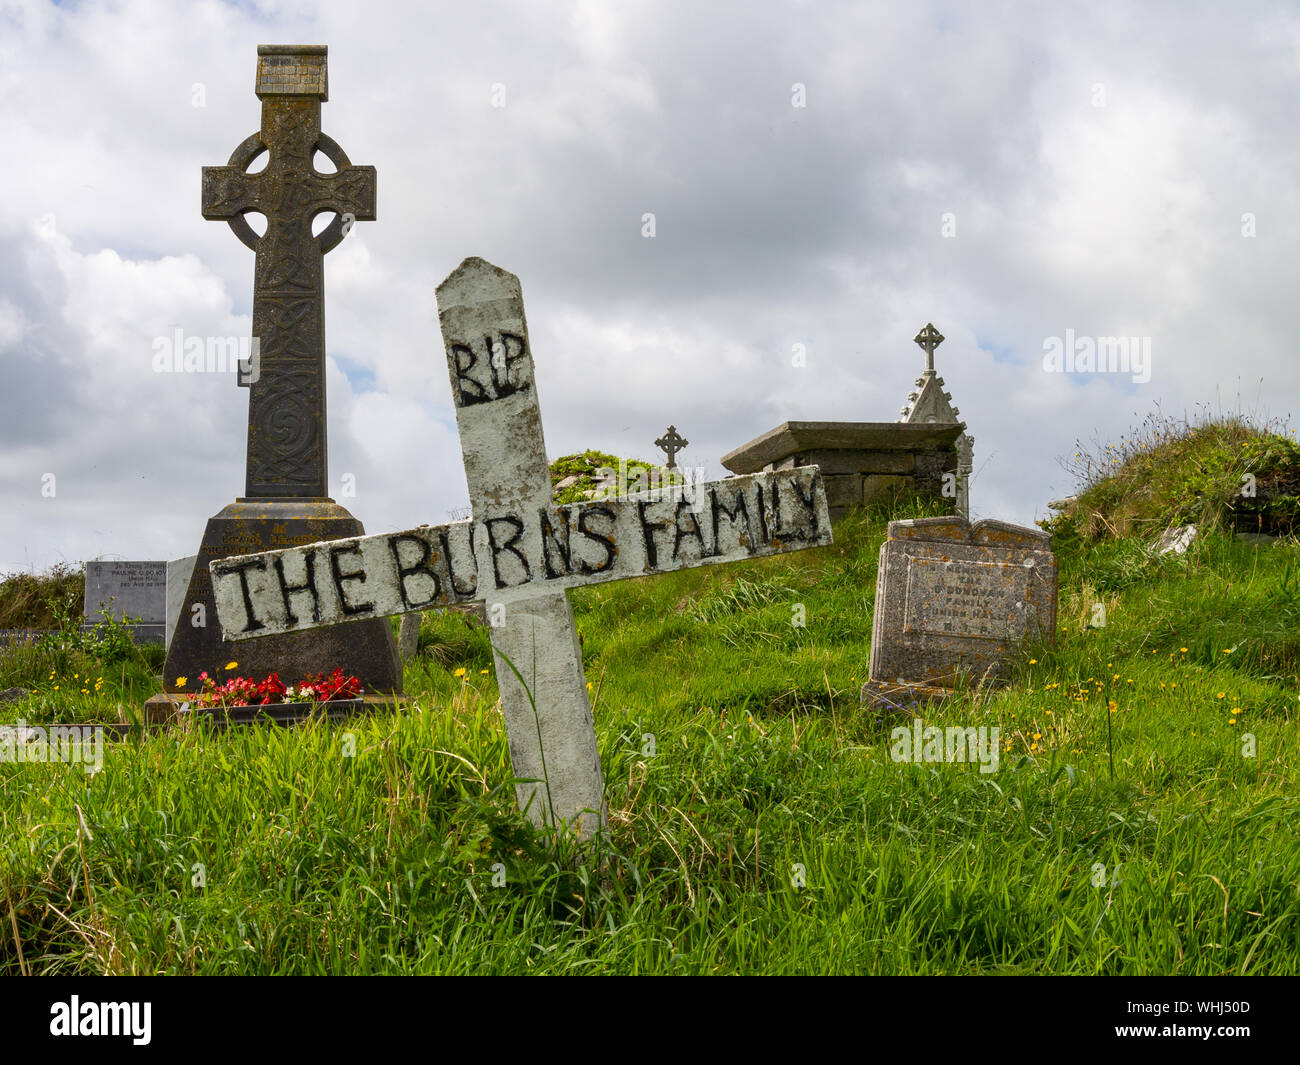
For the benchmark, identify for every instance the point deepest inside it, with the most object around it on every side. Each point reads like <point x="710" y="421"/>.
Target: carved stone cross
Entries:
<point x="520" y="551"/>
<point x="929" y="338"/>
<point x="671" y="443"/>
<point x="287" y="449"/>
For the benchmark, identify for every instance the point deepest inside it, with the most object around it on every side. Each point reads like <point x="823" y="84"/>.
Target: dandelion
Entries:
<point x="459" y="672"/>
<point x="1183" y="649"/>
<point x="1112" y="706"/>
<point x="1220" y="695"/>
<point x="484" y="672"/>
<point x="231" y="665"/>
<point x="1227" y="650"/>
<point x="1033" y="661"/>
<point x="181" y="681"/>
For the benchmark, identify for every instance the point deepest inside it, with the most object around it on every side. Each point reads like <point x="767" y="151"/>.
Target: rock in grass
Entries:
<point x="1176" y="540"/>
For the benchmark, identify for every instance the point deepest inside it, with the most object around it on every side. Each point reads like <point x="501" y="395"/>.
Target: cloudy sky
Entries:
<point x="831" y="175"/>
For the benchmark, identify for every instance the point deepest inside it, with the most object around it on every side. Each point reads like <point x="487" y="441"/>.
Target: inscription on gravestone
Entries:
<point x="956" y="598"/>
<point x="950" y="598"/>
<point x="128" y="590"/>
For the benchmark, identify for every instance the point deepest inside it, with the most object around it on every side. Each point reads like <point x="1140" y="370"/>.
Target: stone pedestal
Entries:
<point x="861" y="462"/>
<point x="364" y="649"/>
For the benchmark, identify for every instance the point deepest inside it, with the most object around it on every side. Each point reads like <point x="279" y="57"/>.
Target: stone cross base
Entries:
<point x="364" y="649"/>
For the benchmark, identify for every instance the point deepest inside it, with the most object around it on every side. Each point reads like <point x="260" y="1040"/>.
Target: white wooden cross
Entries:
<point x="520" y="551"/>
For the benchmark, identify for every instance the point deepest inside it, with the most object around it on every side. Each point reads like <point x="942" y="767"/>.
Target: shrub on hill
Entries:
<point x="1217" y="472"/>
<point x="41" y="600"/>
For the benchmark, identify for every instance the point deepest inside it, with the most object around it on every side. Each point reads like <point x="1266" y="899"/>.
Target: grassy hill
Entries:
<point x="758" y="822"/>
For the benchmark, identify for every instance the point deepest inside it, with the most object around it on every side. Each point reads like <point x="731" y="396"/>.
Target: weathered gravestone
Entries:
<point x="136" y="590"/>
<point x="285" y="501"/>
<point x="520" y="551"/>
<point x="954" y="598"/>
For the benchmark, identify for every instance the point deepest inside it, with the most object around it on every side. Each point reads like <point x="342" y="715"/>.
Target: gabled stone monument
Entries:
<point x="931" y="405"/>
<point x="519" y="552"/>
<point x="285" y="501"/>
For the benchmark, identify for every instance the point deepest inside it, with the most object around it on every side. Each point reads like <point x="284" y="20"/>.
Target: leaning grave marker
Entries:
<point x="285" y="501"/>
<point x="953" y="597"/>
<point x="519" y="551"/>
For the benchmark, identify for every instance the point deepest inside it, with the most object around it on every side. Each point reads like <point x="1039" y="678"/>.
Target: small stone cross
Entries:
<point x="929" y="338"/>
<point x="671" y="443"/>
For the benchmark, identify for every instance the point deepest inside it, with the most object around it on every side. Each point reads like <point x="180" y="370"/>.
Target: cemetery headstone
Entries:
<point x="671" y="443"/>
<point x="519" y="551"/>
<point x="128" y="590"/>
<point x="954" y="598"/>
<point x="285" y="501"/>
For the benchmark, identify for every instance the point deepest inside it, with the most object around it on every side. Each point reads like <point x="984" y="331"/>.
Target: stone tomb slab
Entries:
<point x="121" y="590"/>
<point x="956" y="598"/>
<point x="861" y="462"/>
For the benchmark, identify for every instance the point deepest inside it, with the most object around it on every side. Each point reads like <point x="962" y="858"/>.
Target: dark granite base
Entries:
<point x="365" y="649"/>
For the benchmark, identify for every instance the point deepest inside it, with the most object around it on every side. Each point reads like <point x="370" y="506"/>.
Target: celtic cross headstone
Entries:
<point x="286" y="410"/>
<point x="286" y="473"/>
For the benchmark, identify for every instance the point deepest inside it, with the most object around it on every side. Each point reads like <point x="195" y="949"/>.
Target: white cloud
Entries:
<point x="776" y="226"/>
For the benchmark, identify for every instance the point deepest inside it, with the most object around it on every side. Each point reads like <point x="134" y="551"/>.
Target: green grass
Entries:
<point x="758" y="823"/>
